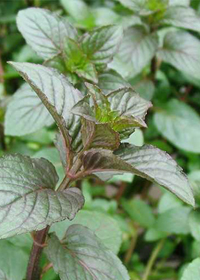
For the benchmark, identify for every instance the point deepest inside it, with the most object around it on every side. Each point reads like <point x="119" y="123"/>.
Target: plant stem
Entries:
<point x="33" y="270"/>
<point x="130" y="251"/>
<point x="152" y="259"/>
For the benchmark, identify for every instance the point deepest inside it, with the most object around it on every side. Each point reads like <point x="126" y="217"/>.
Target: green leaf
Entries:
<point x="152" y="235"/>
<point x="110" y="81"/>
<point x="28" y="199"/>
<point x="82" y="255"/>
<point x="101" y="44"/>
<point x="2" y="275"/>
<point x="192" y="271"/>
<point x="147" y="161"/>
<point x="175" y="118"/>
<point x="145" y="88"/>
<point x="174" y="221"/>
<point x="168" y="201"/>
<point x="138" y="47"/>
<point x="139" y="211"/>
<point x="181" y="50"/>
<point x="56" y="93"/>
<point x="77" y="62"/>
<point x="180" y="16"/>
<point x="43" y="31"/>
<point x="77" y="9"/>
<point x="194" y="224"/>
<point x="99" y="136"/>
<point x="105" y="228"/>
<point x="26" y="113"/>
<point x="13" y="261"/>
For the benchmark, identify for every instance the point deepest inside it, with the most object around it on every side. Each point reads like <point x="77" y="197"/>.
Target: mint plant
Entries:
<point x="92" y="119"/>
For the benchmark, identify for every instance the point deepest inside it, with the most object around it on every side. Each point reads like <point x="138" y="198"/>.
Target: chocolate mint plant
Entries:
<point x="92" y="121"/>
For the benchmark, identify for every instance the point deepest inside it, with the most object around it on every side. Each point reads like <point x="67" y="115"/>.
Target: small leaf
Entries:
<point x="43" y="31"/>
<point x="180" y="16"/>
<point x="99" y="136"/>
<point x="28" y="199"/>
<point x="145" y="88"/>
<point x="174" y="221"/>
<point x="101" y="44"/>
<point x="176" y="117"/>
<point x="103" y="225"/>
<point x="148" y="162"/>
<point x="128" y="103"/>
<point x="77" y="62"/>
<point x="26" y="113"/>
<point x="136" y="50"/>
<point x="77" y="9"/>
<point x="139" y="211"/>
<point x="182" y="50"/>
<point x="56" y="93"/>
<point x="82" y="255"/>
<point x="192" y="271"/>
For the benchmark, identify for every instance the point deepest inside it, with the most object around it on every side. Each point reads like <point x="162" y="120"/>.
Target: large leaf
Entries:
<point x="101" y="44"/>
<point x="26" y="113"/>
<point x="81" y="255"/>
<point x="192" y="271"/>
<point x="182" y="50"/>
<point x="105" y="227"/>
<point x="56" y="93"/>
<point x="136" y="50"/>
<point x="44" y="31"/>
<point x="175" y="118"/>
<point x="28" y="199"/>
<point x="147" y="161"/>
<point x="181" y="16"/>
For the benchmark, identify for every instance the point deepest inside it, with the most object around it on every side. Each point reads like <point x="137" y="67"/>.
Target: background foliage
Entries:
<point x="152" y="231"/>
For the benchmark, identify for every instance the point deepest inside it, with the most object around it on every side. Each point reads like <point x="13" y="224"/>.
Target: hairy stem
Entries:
<point x="33" y="270"/>
<point x="152" y="259"/>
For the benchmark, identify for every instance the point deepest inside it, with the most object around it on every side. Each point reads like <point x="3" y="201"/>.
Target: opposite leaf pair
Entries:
<point x="56" y="40"/>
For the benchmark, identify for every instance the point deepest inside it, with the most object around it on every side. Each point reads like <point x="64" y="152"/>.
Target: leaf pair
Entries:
<point x="121" y="110"/>
<point x="147" y="161"/>
<point x="51" y="36"/>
